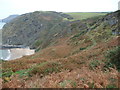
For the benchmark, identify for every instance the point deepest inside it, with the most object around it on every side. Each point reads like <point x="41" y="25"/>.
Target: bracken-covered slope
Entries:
<point x="86" y="58"/>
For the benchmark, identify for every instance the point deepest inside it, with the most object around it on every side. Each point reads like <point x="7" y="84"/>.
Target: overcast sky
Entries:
<point x="9" y="7"/>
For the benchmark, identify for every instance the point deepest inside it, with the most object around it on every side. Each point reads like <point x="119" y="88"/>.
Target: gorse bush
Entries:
<point x="113" y="58"/>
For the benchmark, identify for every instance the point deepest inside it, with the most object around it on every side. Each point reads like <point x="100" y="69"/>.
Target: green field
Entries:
<point x="84" y="15"/>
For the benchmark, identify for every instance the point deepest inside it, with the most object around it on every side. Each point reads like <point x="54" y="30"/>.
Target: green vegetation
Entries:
<point x="71" y="52"/>
<point x="91" y="85"/>
<point x="66" y="82"/>
<point x="6" y="74"/>
<point x="82" y="48"/>
<point x="35" y="28"/>
<point x="24" y="72"/>
<point x="93" y="64"/>
<point x="84" y="15"/>
<point x="78" y="35"/>
<point x="37" y="43"/>
<point x="46" y="68"/>
<point x="111" y="86"/>
<point x="113" y="58"/>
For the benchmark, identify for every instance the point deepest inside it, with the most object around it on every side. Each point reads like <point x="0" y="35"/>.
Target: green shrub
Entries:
<point x="7" y="74"/>
<point x="91" y="85"/>
<point x="111" y="86"/>
<point x="79" y="34"/>
<point x="93" y="64"/>
<point x="64" y="83"/>
<point x="74" y="84"/>
<point x="37" y="43"/>
<point x="45" y="68"/>
<point x="83" y="48"/>
<point x="24" y="72"/>
<point x="113" y="58"/>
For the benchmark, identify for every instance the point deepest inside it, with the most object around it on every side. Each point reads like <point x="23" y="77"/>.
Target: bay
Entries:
<point x="4" y="54"/>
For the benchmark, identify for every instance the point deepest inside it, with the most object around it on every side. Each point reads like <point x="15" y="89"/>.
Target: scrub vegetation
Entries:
<point x="70" y="53"/>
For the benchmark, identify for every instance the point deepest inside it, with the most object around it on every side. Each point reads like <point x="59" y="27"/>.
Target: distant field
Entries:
<point x="84" y="15"/>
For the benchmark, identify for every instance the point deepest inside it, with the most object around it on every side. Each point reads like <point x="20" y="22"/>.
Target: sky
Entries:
<point x="9" y="7"/>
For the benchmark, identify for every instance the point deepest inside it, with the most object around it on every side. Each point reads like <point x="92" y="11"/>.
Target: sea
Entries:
<point x="4" y="54"/>
<point x="2" y="24"/>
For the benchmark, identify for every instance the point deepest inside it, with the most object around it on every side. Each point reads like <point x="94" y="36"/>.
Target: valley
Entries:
<point x="70" y="51"/>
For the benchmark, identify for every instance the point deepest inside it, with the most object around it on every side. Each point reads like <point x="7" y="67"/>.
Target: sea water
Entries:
<point x="10" y="54"/>
<point x="1" y="25"/>
<point x="4" y="53"/>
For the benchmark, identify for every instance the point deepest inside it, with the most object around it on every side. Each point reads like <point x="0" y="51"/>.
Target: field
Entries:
<point x="85" y="15"/>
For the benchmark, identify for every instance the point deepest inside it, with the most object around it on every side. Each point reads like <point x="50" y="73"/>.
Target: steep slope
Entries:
<point x="77" y="60"/>
<point x="28" y="28"/>
<point x="41" y="29"/>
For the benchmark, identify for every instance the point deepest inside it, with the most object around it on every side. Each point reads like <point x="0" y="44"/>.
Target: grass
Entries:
<point x="84" y="15"/>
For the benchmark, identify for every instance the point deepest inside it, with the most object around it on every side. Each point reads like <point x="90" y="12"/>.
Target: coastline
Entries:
<point x="19" y="53"/>
<point x="9" y="55"/>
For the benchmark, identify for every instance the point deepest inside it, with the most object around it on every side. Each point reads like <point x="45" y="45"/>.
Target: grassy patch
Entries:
<point x="23" y="72"/>
<point x="84" y="15"/>
<point x="6" y="74"/>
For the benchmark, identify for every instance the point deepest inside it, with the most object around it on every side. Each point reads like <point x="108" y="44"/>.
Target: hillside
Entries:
<point x="9" y="18"/>
<point x="34" y="28"/>
<point x="79" y="54"/>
